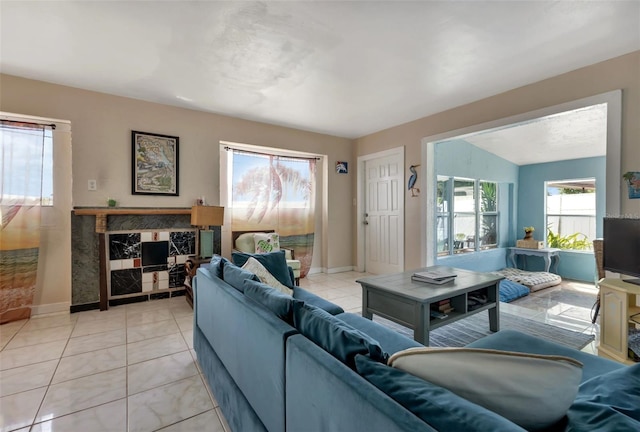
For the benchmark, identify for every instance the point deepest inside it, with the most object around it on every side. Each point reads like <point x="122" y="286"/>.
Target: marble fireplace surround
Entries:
<point x="89" y="237"/>
<point x="148" y="262"/>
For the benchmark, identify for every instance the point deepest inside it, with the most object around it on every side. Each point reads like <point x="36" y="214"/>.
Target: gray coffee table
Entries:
<point x="397" y="298"/>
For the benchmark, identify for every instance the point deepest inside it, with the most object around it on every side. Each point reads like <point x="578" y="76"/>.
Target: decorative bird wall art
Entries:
<point x="415" y="191"/>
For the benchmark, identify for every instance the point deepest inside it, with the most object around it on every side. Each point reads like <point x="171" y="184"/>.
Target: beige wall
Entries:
<point x="101" y="128"/>
<point x="619" y="73"/>
<point x="53" y="285"/>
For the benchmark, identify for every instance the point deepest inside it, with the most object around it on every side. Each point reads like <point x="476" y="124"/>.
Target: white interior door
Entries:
<point x="383" y="217"/>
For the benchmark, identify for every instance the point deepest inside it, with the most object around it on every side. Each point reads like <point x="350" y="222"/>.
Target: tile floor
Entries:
<point x="132" y="368"/>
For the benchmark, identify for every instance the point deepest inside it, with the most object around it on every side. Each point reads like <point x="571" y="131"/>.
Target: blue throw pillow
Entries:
<point x="510" y="290"/>
<point x="334" y="335"/>
<point x="440" y="408"/>
<point x="274" y="262"/>
<point x="216" y="264"/>
<point x="235" y="276"/>
<point x="277" y="302"/>
<point x="609" y="402"/>
<point x="314" y="300"/>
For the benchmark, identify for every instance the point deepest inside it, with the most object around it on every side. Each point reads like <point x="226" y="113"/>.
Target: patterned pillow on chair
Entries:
<point x="266" y="242"/>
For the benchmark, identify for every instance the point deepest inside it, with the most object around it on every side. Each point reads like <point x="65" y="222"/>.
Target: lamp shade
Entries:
<point x="207" y="215"/>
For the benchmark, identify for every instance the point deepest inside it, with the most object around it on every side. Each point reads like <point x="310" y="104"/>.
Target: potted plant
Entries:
<point x="528" y="233"/>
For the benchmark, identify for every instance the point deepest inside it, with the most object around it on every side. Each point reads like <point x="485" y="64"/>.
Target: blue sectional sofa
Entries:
<point x="267" y="375"/>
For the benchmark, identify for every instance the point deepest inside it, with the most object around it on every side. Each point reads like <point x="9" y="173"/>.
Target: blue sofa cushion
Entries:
<point x="435" y="405"/>
<point x="216" y="264"/>
<point x="277" y="302"/>
<point x="235" y="276"/>
<point x="608" y="402"/>
<point x="440" y="408"/>
<point x="274" y="262"/>
<point x="510" y="290"/>
<point x="390" y="340"/>
<point x="512" y="340"/>
<point x="312" y="299"/>
<point x="507" y="383"/>
<point x="334" y="335"/>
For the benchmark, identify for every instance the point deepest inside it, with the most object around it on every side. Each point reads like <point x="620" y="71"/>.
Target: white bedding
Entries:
<point x="533" y="280"/>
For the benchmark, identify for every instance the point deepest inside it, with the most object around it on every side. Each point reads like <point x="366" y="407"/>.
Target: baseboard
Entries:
<point x="340" y="269"/>
<point x="49" y="308"/>
<point x="316" y="270"/>
<point x="84" y="307"/>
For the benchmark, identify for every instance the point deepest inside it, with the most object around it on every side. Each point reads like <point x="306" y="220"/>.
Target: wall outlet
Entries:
<point x="93" y="185"/>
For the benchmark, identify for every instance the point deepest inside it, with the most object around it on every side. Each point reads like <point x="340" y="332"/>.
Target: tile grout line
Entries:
<point x="33" y="422"/>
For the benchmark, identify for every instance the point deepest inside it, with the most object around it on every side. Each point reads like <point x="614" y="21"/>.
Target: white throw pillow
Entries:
<point x="253" y="265"/>
<point x="533" y="391"/>
<point x="266" y="242"/>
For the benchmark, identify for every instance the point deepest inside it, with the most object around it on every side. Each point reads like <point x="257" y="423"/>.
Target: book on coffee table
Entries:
<point x="433" y="277"/>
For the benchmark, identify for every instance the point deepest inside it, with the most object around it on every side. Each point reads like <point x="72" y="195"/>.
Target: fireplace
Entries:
<point x="147" y="263"/>
<point x="154" y="253"/>
<point x="107" y="254"/>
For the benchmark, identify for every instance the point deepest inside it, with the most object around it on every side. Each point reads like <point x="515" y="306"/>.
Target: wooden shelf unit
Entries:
<point x="617" y="305"/>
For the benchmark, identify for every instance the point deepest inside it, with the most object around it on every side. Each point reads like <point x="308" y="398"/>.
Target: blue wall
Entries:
<point x="521" y="203"/>
<point x="576" y="265"/>
<point x="458" y="158"/>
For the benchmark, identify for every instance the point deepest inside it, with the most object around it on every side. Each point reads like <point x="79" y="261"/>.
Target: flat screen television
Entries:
<point x="621" y="247"/>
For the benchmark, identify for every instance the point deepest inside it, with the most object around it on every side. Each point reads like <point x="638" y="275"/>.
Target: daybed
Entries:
<point x="268" y="374"/>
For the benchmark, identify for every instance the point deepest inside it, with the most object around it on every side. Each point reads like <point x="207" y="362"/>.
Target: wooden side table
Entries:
<point x="190" y="268"/>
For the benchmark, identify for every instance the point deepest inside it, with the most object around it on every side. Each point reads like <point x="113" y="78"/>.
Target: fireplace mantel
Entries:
<point x="101" y="213"/>
<point x="92" y="211"/>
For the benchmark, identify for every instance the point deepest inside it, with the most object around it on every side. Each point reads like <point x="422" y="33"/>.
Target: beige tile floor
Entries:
<point x="132" y="368"/>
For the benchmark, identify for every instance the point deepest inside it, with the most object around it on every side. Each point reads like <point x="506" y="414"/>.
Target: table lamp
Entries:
<point x="203" y="217"/>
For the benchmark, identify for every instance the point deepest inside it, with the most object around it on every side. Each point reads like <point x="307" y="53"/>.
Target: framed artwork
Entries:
<point x="154" y="164"/>
<point x="342" y="167"/>
<point x="633" y="183"/>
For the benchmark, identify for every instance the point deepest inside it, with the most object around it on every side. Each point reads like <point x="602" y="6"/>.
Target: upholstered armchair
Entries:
<point x="598" y="250"/>
<point x="263" y="242"/>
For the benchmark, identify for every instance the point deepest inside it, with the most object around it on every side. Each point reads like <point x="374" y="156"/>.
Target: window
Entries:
<point x="265" y="187"/>
<point x="271" y="192"/>
<point x="466" y="215"/>
<point x="26" y="158"/>
<point x="571" y="213"/>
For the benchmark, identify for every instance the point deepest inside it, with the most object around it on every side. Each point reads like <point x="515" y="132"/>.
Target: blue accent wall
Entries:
<point x="482" y="261"/>
<point x="458" y="158"/>
<point x="521" y="202"/>
<point x="531" y="209"/>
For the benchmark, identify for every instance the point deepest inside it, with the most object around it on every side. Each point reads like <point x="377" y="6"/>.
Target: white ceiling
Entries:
<point x="579" y="133"/>
<point x="342" y="68"/>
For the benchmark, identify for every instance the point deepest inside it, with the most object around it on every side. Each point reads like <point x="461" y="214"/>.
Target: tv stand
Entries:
<point x="632" y="281"/>
<point x="617" y="304"/>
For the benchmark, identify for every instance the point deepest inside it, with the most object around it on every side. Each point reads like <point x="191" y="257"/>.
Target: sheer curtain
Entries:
<point x="21" y="163"/>
<point x="271" y="192"/>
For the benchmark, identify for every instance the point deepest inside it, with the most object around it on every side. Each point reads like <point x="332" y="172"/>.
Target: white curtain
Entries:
<point x="21" y="164"/>
<point x="272" y="192"/>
